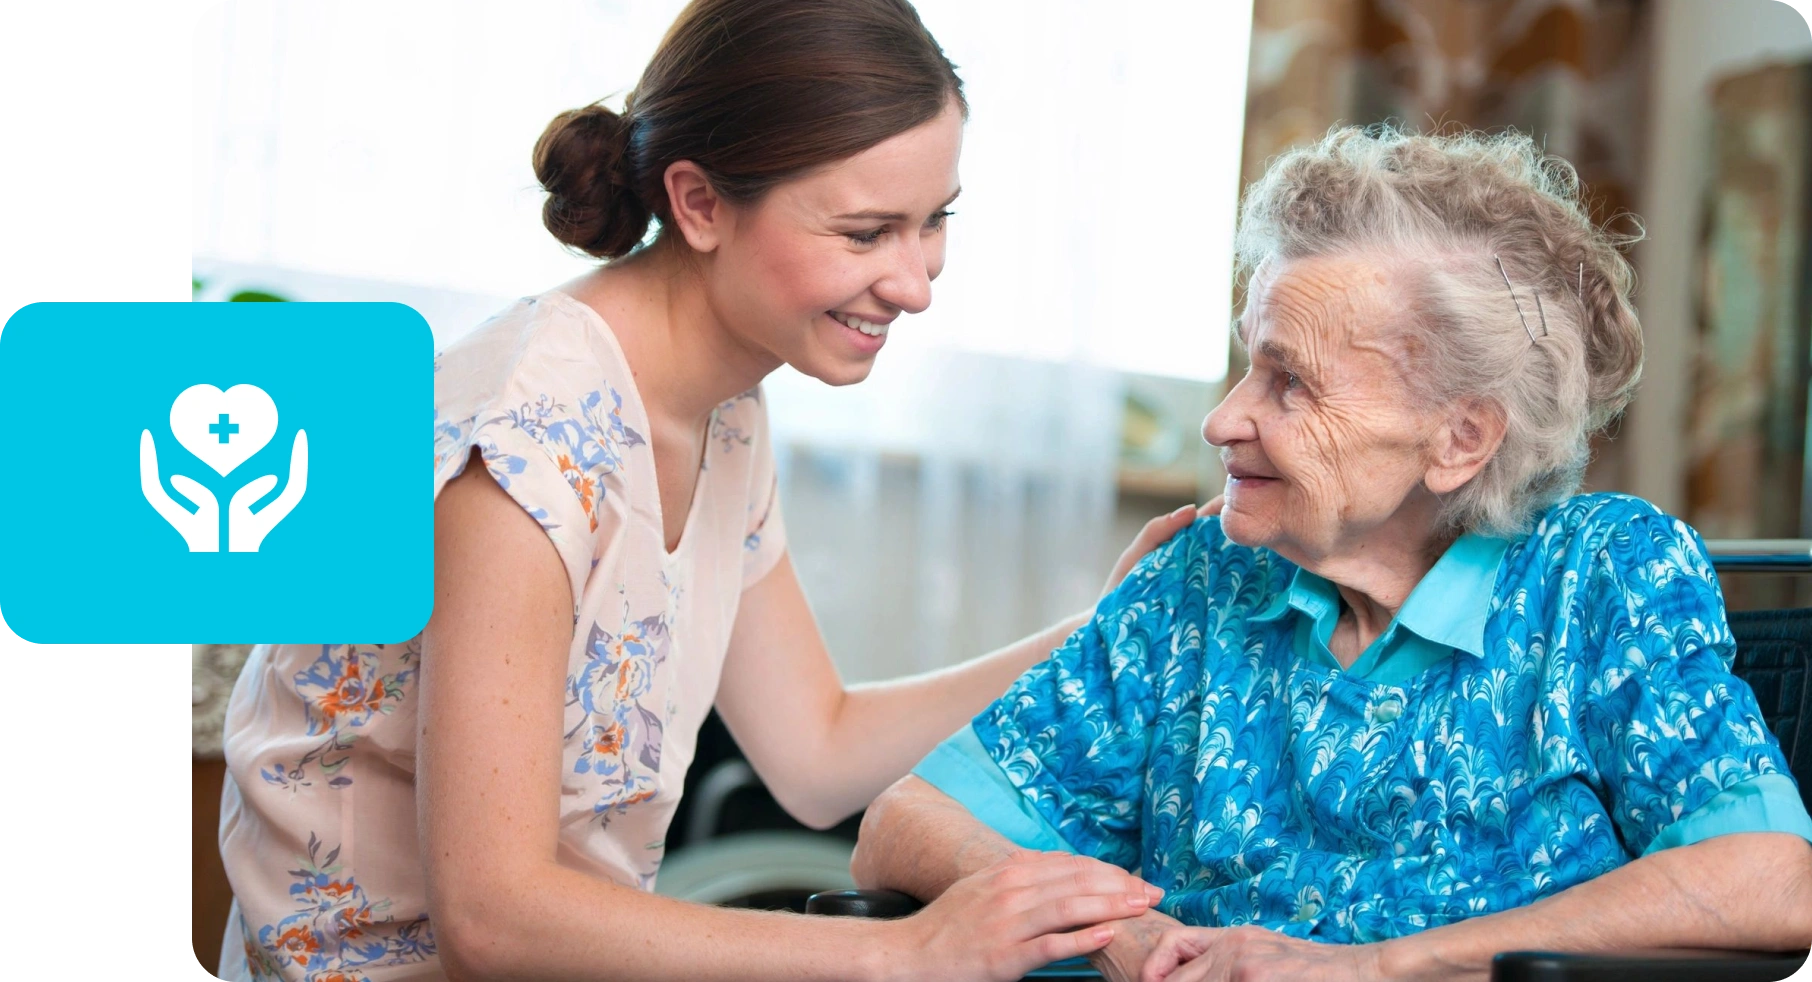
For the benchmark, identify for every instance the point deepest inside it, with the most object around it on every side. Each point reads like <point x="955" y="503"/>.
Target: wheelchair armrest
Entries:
<point x="1645" y="966"/>
<point x="862" y="903"/>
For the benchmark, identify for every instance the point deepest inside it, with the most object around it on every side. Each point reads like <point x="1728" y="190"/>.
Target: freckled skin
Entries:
<point x="1324" y="409"/>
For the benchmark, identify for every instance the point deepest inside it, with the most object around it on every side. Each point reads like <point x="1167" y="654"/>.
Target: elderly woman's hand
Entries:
<point x="1135" y="939"/>
<point x="1254" y="954"/>
<point x="1157" y="532"/>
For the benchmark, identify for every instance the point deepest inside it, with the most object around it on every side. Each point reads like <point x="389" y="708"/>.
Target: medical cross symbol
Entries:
<point x="223" y="429"/>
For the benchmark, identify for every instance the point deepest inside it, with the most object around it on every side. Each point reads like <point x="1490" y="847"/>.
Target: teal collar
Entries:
<point x="1447" y="608"/>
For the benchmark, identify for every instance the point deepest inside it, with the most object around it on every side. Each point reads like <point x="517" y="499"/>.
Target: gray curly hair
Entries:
<point x="1453" y="206"/>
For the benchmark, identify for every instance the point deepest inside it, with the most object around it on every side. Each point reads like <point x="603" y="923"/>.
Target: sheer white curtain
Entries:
<point x="962" y="495"/>
<point x="952" y="502"/>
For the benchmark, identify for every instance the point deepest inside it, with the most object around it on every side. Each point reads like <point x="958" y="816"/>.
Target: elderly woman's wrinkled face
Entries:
<point x="1323" y="447"/>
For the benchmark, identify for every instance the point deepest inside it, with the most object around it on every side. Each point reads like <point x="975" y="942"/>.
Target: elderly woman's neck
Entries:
<point x="1374" y="578"/>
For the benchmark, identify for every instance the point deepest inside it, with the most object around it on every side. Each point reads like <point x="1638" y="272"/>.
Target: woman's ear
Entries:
<point x="698" y="211"/>
<point x="1463" y="444"/>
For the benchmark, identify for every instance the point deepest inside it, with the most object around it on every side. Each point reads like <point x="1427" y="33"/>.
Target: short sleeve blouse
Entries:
<point x="318" y="828"/>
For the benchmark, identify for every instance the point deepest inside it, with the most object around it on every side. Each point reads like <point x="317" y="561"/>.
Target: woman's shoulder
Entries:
<point x="1591" y="523"/>
<point x="1601" y="508"/>
<point x="549" y="344"/>
<point x="547" y="368"/>
<point x="541" y="390"/>
<point x="1608" y="543"/>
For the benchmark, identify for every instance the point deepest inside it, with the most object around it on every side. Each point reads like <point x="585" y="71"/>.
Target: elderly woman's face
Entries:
<point x="1322" y="444"/>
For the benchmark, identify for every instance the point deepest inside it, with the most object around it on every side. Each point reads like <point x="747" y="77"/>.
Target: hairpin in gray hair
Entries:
<point x="1519" y="305"/>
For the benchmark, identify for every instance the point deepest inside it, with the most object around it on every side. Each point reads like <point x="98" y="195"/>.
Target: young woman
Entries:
<point x="490" y="798"/>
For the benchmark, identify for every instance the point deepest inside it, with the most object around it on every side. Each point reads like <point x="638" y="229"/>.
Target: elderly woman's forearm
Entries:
<point x="917" y="840"/>
<point x="1750" y="891"/>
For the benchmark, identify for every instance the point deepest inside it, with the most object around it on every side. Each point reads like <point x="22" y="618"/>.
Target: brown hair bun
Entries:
<point x="582" y="162"/>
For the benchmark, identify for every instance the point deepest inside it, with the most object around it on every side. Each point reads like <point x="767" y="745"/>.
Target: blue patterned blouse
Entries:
<point x="1540" y="712"/>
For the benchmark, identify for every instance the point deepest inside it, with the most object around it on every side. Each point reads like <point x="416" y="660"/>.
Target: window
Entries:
<point x="391" y="142"/>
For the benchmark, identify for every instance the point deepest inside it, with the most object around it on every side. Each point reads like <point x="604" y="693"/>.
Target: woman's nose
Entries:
<point x="1229" y="423"/>
<point x="907" y="284"/>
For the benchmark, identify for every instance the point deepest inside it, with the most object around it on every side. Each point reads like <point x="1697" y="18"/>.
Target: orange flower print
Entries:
<point x="625" y="675"/>
<point x="582" y="484"/>
<point x="350" y="922"/>
<point x="342" y="690"/>
<point x="585" y="446"/>
<point x="343" y="687"/>
<point x="298" y="944"/>
<point x="332" y="933"/>
<point x="619" y="736"/>
<point x="324" y="892"/>
<point x="607" y="740"/>
<point x="352" y="695"/>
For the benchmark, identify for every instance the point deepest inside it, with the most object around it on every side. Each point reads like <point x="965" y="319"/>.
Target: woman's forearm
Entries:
<point x="551" y="923"/>
<point x="882" y="729"/>
<point x="1746" y="891"/>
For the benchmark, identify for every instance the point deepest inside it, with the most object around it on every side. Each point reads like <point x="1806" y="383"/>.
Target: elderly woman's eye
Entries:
<point x="1291" y="381"/>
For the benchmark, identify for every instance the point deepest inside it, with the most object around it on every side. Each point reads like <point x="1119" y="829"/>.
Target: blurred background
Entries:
<point x="1013" y="438"/>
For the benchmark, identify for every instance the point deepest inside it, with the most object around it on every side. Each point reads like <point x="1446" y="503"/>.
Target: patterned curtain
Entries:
<point x="1571" y="72"/>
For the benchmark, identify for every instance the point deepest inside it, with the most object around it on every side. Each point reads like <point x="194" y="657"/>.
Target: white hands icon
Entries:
<point x="201" y="530"/>
<point x="246" y="529"/>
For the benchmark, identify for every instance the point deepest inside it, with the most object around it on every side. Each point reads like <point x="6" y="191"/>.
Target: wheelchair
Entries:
<point x="1774" y="656"/>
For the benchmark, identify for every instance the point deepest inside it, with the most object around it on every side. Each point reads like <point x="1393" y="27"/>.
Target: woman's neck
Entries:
<point x="1376" y="573"/>
<point x="685" y="361"/>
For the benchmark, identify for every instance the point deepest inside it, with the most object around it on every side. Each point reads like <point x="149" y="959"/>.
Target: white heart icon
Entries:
<point x="223" y="428"/>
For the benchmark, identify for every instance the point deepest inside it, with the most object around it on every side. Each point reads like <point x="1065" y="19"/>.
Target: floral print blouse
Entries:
<point x="318" y="826"/>
<point x="1577" y="715"/>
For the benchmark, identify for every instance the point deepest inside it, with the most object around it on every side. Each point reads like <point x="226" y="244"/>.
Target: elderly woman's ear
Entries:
<point x="1462" y="444"/>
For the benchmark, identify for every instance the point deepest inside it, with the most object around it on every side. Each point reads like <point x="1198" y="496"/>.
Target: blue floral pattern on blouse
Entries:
<point x="1175" y="735"/>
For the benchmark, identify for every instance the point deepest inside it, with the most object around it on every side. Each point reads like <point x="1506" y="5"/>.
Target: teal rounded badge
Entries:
<point x="217" y="473"/>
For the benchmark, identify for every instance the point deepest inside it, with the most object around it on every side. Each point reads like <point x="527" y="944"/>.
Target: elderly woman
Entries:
<point x="1409" y="693"/>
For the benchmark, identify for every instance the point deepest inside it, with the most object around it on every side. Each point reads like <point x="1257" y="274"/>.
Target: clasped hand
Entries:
<point x="200" y="528"/>
<point x="1254" y="954"/>
<point x="1029" y="909"/>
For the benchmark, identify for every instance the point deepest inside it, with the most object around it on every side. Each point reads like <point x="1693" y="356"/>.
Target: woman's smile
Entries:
<point x="865" y="335"/>
<point x="1243" y="477"/>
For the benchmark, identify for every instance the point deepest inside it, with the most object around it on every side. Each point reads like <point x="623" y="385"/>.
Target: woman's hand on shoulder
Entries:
<point x="1019" y="914"/>
<point x="1157" y="532"/>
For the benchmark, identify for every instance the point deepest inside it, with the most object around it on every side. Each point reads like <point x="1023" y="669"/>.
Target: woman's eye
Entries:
<point x="1291" y="381"/>
<point x="934" y="224"/>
